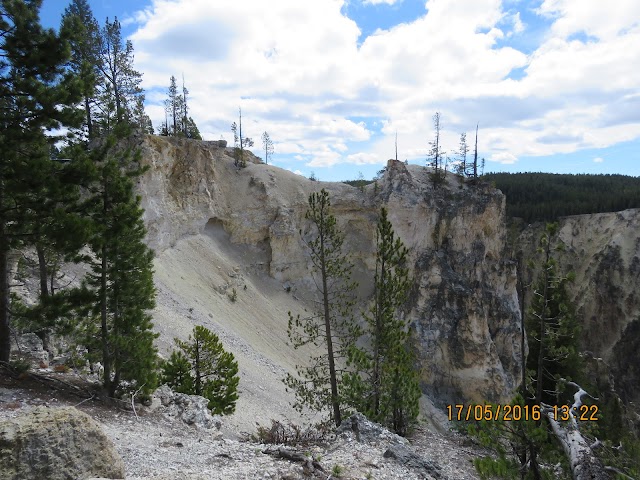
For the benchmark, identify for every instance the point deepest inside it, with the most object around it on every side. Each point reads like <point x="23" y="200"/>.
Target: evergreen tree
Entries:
<point x="331" y="325"/>
<point x="57" y="236"/>
<point x="267" y="144"/>
<point x="85" y="48"/>
<point x="435" y="157"/>
<point x="177" y="122"/>
<point x="140" y="119"/>
<point x="36" y="95"/>
<point x="202" y="367"/>
<point x="121" y="278"/>
<point x="389" y="390"/>
<point x="552" y="335"/>
<point x="192" y="130"/>
<point x="176" y="373"/>
<point x="120" y="85"/>
<point x="552" y="326"/>
<point x="173" y="107"/>
<point x="461" y="167"/>
<point x="239" y="143"/>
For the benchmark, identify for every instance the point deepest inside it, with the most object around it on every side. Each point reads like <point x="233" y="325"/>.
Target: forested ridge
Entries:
<point x="548" y="196"/>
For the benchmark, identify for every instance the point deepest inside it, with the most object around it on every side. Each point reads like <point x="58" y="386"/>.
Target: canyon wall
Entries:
<point x="463" y="310"/>
<point x="603" y="250"/>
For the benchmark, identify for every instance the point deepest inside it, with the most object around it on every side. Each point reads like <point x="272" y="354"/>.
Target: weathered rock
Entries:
<point x="404" y="456"/>
<point x="463" y="312"/>
<point x="29" y="349"/>
<point x="191" y="409"/>
<point x="61" y="443"/>
<point x="603" y="251"/>
<point x="366" y="431"/>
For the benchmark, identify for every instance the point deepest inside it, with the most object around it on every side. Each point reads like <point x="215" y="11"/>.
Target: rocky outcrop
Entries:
<point x="28" y="348"/>
<point x="190" y="409"/>
<point x="463" y="311"/>
<point x="56" y="444"/>
<point x="603" y="250"/>
<point x="358" y="428"/>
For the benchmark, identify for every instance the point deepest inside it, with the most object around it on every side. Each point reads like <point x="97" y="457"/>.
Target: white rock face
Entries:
<point x="463" y="310"/>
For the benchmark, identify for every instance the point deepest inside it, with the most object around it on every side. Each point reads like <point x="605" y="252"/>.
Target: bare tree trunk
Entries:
<point x="327" y="326"/>
<point x="585" y="465"/>
<point x="5" y="329"/>
<point x="44" y="332"/>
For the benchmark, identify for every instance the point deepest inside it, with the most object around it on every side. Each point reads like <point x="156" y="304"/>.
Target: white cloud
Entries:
<point x="504" y="158"/>
<point x="298" y="72"/>
<point x="518" y="26"/>
<point x="598" y="160"/>
<point x="604" y="20"/>
<point x="362" y="158"/>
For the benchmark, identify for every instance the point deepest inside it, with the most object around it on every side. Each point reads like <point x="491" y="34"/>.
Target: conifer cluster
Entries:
<point x="379" y="380"/>
<point x="75" y="203"/>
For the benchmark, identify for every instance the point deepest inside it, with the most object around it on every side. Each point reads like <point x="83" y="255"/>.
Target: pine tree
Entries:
<point x="57" y="236"/>
<point x="240" y="143"/>
<point x="139" y="118"/>
<point x="331" y="325"/>
<point x="267" y="144"/>
<point x="553" y="330"/>
<point x="435" y="157"/>
<point x="461" y="167"/>
<point x="173" y="107"/>
<point x="192" y="129"/>
<point x="177" y="122"/>
<point x="202" y="367"/>
<point x="121" y="278"/>
<point x="85" y="48"/>
<point x="176" y="372"/>
<point x="120" y="83"/>
<point x="36" y="94"/>
<point x="389" y="390"/>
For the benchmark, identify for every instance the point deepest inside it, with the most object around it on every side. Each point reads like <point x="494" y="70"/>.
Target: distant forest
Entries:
<point x="546" y="196"/>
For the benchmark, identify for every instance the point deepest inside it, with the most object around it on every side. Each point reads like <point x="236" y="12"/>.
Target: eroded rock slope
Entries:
<point x="217" y="229"/>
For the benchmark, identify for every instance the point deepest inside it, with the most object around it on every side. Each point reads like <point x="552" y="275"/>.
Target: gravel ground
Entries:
<point x="156" y="447"/>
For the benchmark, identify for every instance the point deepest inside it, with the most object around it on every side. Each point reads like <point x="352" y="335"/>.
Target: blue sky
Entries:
<point x="553" y="84"/>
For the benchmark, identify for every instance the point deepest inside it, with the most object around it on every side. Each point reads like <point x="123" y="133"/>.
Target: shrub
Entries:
<point x="201" y="366"/>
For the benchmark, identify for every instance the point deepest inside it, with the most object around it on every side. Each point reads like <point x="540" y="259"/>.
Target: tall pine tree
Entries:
<point x="37" y="94"/>
<point x="553" y="330"/>
<point x="121" y="278"/>
<point x="85" y="48"/>
<point x="120" y="82"/>
<point x="331" y="325"/>
<point x="387" y="383"/>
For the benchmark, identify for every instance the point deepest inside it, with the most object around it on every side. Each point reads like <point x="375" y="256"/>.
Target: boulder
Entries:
<point x="404" y="456"/>
<point x="366" y="431"/>
<point x="56" y="443"/>
<point x="191" y="409"/>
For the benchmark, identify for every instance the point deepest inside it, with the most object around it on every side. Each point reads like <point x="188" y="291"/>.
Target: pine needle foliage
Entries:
<point x="37" y="94"/>
<point x="386" y="387"/>
<point x="121" y="277"/>
<point x="331" y="327"/>
<point x="201" y="366"/>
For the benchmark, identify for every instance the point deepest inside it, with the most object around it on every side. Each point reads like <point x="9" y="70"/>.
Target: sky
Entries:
<point x="553" y="85"/>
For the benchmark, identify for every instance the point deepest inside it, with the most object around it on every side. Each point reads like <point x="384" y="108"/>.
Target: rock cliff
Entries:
<point x="603" y="250"/>
<point x="244" y="227"/>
